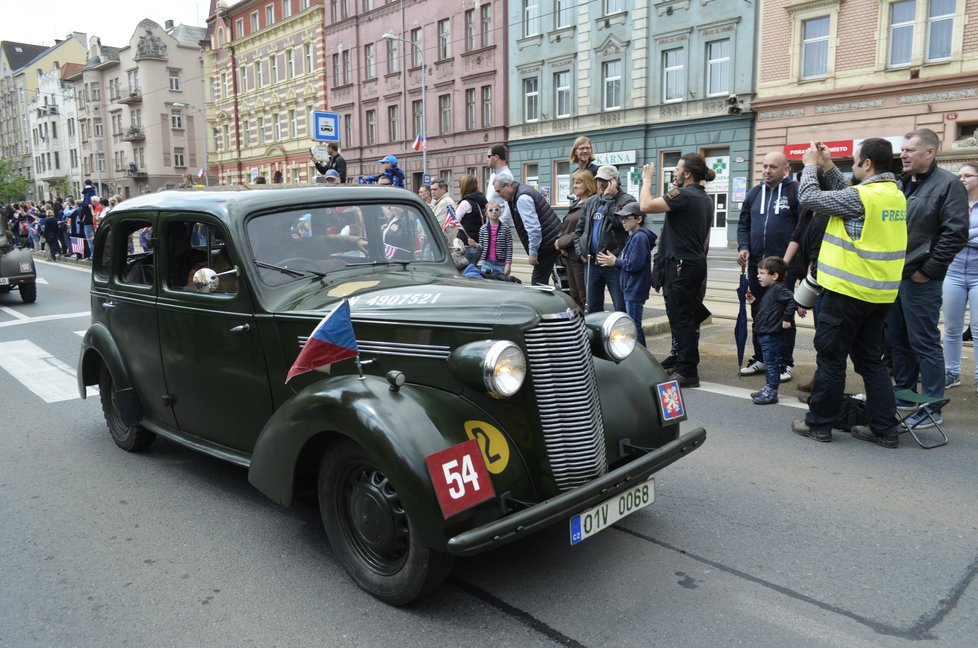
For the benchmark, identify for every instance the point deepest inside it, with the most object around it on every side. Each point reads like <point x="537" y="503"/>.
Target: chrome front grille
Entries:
<point x="562" y="370"/>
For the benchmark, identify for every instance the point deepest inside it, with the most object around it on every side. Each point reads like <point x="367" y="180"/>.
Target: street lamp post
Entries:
<point x="424" y="102"/>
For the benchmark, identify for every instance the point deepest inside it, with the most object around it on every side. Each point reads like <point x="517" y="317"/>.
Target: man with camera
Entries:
<point x="860" y="264"/>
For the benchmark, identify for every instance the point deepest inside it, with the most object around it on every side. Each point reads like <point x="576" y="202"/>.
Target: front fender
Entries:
<point x="98" y="348"/>
<point x="397" y="429"/>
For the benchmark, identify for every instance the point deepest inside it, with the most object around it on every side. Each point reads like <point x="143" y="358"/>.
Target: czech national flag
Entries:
<point x="420" y="143"/>
<point x="331" y="341"/>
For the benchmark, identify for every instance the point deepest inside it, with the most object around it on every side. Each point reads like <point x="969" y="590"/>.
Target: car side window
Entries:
<point x="138" y="266"/>
<point x="192" y="245"/>
<point x="102" y="266"/>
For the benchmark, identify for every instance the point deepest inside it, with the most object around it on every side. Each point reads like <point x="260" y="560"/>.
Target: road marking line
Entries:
<point x="51" y="379"/>
<point x="739" y="392"/>
<point x="80" y="333"/>
<point x="67" y="266"/>
<point x="44" y="318"/>
<point x="14" y="313"/>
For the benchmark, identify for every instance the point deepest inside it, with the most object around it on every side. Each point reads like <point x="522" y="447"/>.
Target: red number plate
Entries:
<point x="460" y="477"/>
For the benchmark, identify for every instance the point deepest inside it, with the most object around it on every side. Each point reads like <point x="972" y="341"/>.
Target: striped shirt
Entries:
<point x="841" y="200"/>
<point x="504" y="242"/>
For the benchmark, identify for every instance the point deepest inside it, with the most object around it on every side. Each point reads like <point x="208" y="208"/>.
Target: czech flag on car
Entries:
<point x="331" y="341"/>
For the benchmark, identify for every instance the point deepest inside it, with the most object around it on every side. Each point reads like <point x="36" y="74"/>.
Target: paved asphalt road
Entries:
<point x="760" y="538"/>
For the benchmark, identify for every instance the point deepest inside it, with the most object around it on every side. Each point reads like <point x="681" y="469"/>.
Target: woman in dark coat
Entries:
<point x="583" y="187"/>
<point x="470" y="210"/>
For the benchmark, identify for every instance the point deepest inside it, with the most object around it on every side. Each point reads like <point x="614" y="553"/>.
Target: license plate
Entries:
<point x="602" y="516"/>
<point x="4" y="281"/>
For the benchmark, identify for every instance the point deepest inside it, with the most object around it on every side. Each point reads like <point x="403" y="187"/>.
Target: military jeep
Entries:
<point x="476" y="412"/>
<point x="16" y="269"/>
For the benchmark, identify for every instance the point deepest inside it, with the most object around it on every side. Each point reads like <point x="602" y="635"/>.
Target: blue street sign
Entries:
<point x="426" y="179"/>
<point x="325" y="126"/>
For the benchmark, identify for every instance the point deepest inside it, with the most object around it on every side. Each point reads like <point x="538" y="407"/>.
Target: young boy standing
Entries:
<point x="775" y="315"/>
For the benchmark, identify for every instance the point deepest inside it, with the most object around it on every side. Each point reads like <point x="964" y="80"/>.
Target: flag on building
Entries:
<point x="450" y="219"/>
<point x="420" y="143"/>
<point x="201" y="173"/>
<point x="331" y="341"/>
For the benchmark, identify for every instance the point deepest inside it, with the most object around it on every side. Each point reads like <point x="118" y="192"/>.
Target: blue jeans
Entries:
<point x="90" y="235"/>
<point x="914" y="339"/>
<point x="497" y="267"/>
<point x="771" y="349"/>
<point x="634" y="310"/>
<point x="960" y="288"/>
<point x="599" y="278"/>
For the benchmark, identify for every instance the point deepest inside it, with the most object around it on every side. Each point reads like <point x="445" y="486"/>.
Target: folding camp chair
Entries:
<point x="920" y="400"/>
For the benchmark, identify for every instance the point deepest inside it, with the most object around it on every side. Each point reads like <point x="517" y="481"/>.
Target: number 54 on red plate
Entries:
<point x="460" y="477"/>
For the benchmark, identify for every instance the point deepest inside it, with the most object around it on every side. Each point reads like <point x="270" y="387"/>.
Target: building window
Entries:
<point x="239" y="28"/>
<point x="371" y="127"/>
<point x="289" y="64"/>
<point x="226" y="136"/>
<point x="485" y="13"/>
<point x="470" y="109"/>
<point x="286" y="8"/>
<point x="718" y="68"/>
<point x="254" y="22"/>
<point x="269" y="14"/>
<point x="174" y="80"/>
<point x="564" y="13"/>
<point x="445" y="114"/>
<point x="673" y="67"/>
<point x="393" y="57"/>
<point x="562" y="94"/>
<point x="368" y="5"/>
<point x="470" y="30"/>
<point x="96" y="92"/>
<point x="336" y="69"/>
<point x="345" y="8"/>
<point x="176" y="119"/>
<point x="370" y="58"/>
<point x="531" y="99"/>
<point x="613" y="6"/>
<point x="259" y="76"/>
<point x="531" y="18"/>
<point x="531" y="174"/>
<point x="246" y="132"/>
<point x="940" y="24"/>
<point x="303" y="5"/>
<point x="901" y="33"/>
<point x="417" y="109"/>
<point x="293" y="125"/>
<point x="487" y="106"/>
<point x="261" y="129"/>
<point x="348" y="129"/>
<point x="277" y="127"/>
<point x="243" y="78"/>
<point x="393" y="122"/>
<point x="815" y="47"/>
<point x="307" y="51"/>
<point x="444" y="39"/>
<point x="97" y="127"/>
<point x="611" y="73"/>
<point x="346" y="66"/>
<point x="273" y="68"/>
<point x="416" y="48"/>
<point x="334" y="12"/>
<point x="178" y="158"/>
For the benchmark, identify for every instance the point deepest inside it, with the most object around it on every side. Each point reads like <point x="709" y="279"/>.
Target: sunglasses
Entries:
<point x="493" y="210"/>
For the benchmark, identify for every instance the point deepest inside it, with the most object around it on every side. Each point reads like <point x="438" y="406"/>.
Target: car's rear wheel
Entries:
<point x="370" y="531"/>
<point x="131" y="438"/>
<point x="28" y="292"/>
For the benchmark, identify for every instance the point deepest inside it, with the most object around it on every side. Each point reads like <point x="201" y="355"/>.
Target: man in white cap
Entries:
<point x="600" y="230"/>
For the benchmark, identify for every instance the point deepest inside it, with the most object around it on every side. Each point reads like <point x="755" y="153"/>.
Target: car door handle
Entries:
<point x="108" y="304"/>
<point x="241" y="328"/>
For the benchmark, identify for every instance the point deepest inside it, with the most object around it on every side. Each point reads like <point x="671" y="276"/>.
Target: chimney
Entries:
<point x="168" y="25"/>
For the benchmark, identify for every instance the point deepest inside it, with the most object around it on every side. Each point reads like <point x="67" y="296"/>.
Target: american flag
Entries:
<point x="391" y="251"/>
<point x="450" y="219"/>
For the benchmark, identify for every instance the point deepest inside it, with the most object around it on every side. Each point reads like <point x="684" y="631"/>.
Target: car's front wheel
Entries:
<point x="28" y="292"/>
<point x="131" y="438"/>
<point x="370" y="531"/>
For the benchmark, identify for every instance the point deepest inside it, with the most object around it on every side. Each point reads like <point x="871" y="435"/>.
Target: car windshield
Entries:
<point x="291" y="244"/>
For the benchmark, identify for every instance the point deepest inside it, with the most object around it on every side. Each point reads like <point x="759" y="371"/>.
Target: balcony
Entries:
<point x="134" y="95"/>
<point x="133" y="134"/>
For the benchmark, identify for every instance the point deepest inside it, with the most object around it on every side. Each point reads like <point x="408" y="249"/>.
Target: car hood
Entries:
<point x="419" y="297"/>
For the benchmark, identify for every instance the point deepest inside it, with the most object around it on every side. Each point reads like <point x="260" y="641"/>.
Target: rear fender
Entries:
<point x="97" y="349"/>
<point x="397" y="429"/>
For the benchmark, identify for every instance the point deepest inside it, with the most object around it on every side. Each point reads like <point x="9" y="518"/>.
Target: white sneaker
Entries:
<point x="752" y="367"/>
<point x="786" y="374"/>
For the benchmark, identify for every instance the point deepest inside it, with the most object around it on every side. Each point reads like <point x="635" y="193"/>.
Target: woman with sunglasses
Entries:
<point x="496" y="240"/>
<point x="583" y="187"/>
<point x="961" y="285"/>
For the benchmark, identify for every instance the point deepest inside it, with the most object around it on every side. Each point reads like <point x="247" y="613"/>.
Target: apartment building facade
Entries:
<point x="54" y="140"/>
<point x="263" y="62"/>
<point x="443" y="72"/>
<point x="646" y="81"/>
<point x="140" y="117"/>
<point x="867" y="68"/>
<point x="22" y="66"/>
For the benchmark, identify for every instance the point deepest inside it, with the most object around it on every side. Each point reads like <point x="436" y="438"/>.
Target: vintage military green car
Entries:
<point x="477" y="412"/>
<point x="16" y="269"/>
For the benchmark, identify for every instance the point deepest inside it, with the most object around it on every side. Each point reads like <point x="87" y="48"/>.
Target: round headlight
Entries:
<point x="618" y="335"/>
<point x="504" y="369"/>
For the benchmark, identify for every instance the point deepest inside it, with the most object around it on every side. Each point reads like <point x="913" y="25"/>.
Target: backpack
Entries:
<point x="851" y="413"/>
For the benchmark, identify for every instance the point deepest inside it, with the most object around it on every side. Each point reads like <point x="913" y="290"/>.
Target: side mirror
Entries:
<point x="206" y="280"/>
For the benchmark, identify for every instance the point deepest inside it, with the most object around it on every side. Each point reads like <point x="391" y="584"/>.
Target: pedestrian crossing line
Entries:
<point x="41" y="318"/>
<point x="738" y="392"/>
<point x="14" y="313"/>
<point x="52" y="380"/>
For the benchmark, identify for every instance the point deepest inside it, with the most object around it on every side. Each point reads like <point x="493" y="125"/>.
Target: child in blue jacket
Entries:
<point x="635" y="262"/>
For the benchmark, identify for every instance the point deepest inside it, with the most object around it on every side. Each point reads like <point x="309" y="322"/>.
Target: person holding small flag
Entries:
<point x="444" y="208"/>
<point x="331" y="341"/>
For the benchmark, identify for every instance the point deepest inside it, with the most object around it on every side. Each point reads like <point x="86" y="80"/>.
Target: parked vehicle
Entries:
<point x="478" y="411"/>
<point x="17" y="270"/>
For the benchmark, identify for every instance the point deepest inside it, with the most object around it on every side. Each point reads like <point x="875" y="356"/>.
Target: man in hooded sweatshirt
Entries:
<point x="768" y="217"/>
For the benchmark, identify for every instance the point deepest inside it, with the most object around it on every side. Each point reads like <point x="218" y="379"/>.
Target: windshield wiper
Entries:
<point x="361" y="264"/>
<point x="284" y="270"/>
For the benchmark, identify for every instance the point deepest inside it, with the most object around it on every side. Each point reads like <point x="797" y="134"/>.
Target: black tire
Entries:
<point x="131" y="438"/>
<point x="28" y="292"/>
<point x="371" y="533"/>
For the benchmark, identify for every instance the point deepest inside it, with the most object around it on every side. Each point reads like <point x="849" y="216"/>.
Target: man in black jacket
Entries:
<point x="937" y="229"/>
<point x="335" y="161"/>
<point x="600" y="230"/>
<point x="535" y="222"/>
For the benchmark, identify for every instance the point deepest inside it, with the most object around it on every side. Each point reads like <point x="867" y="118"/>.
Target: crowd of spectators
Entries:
<point x="50" y="226"/>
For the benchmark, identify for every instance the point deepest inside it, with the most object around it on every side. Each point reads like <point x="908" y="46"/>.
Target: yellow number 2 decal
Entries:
<point x="495" y="449"/>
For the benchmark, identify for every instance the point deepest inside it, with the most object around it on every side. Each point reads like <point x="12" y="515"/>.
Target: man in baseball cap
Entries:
<point x="332" y="176"/>
<point x="607" y="172"/>
<point x="391" y="170"/>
